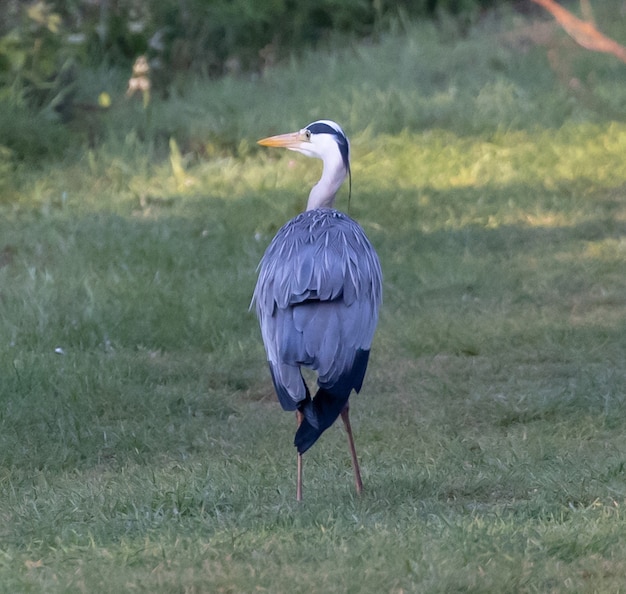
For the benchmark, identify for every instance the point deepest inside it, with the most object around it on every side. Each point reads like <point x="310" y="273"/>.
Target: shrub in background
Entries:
<point x="44" y="44"/>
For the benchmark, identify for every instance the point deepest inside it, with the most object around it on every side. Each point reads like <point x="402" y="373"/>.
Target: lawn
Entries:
<point x="142" y="448"/>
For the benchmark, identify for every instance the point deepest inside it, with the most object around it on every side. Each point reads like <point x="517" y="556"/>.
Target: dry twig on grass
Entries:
<point x="583" y="32"/>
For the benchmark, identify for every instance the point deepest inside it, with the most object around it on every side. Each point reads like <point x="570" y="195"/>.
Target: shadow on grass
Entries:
<point x="175" y="284"/>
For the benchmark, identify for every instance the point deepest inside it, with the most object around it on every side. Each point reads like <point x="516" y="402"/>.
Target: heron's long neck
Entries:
<point x="324" y="191"/>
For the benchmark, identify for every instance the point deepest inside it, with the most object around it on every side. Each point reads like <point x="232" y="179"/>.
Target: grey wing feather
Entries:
<point x="317" y="299"/>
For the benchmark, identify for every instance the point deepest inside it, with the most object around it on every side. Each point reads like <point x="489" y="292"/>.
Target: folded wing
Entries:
<point x="317" y="299"/>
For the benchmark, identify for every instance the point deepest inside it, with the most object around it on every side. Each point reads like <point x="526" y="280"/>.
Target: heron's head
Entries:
<point x="323" y="139"/>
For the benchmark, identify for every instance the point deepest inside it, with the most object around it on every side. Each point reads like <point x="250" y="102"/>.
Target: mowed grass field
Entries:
<point x="142" y="448"/>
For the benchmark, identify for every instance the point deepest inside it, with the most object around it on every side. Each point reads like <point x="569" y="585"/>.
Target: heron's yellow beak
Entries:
<point x="291" y="141"/>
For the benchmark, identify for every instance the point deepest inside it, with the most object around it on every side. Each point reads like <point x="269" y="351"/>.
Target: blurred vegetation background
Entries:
<point x="84" y="74"/>
<point x="48" y="47"/>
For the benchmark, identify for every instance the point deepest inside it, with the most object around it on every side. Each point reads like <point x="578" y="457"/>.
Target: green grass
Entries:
<point x="141" y="445"/>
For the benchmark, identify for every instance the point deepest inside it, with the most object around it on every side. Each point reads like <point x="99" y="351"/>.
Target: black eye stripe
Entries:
<point x="321" y="128"/>
<point x="342" y="141"/>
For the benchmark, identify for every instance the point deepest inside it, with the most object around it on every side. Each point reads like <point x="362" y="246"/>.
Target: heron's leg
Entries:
<point x="299" y="418"/>
<point x="345" y="417"/>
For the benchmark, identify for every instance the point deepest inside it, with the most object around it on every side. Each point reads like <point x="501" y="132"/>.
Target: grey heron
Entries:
<point x="317" y="297"/>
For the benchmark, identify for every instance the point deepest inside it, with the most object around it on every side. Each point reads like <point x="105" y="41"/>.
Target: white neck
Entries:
<point x="333" y="173"/>
<point x="324" y="191"/>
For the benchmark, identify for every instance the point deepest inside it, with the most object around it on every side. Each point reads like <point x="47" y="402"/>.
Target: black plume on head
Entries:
<point x="340" y="137"/>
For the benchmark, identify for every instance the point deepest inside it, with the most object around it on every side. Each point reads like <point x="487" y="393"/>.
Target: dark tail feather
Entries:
<point x="319" y="414"/>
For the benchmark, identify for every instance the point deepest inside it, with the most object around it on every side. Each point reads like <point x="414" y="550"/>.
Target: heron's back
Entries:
<point x="317" y="299"/>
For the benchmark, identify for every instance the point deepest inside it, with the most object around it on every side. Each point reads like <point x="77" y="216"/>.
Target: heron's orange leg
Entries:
<point x="299" y="418"/>
<point x="345" y="417"/>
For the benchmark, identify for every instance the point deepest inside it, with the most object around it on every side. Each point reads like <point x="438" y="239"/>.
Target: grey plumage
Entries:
<point x="317" y="299"/>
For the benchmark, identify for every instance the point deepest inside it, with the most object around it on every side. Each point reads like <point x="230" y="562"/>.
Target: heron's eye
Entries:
<point x="307" y="134"/>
